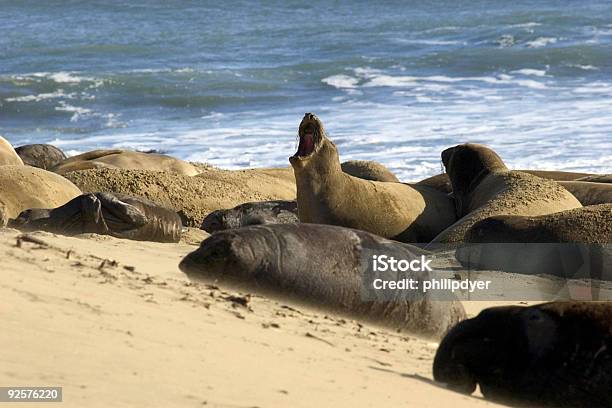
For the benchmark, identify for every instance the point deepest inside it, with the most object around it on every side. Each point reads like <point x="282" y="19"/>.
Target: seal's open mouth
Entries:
<point x="310" y="135"/>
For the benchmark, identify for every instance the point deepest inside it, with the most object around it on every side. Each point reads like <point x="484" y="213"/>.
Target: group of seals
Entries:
<point x="285" y="211"/>
<point x="327" y="195"/>
<point x="32" y="198"/>
<point x="105" y="214"/>
<point x="125" y="159"/>
<point x="321" y="265"/>
<point x="8" y="156"/>
<point x="555" y="354"/>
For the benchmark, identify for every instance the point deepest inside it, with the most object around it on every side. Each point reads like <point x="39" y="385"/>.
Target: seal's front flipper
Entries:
<point x="120" y="216"/>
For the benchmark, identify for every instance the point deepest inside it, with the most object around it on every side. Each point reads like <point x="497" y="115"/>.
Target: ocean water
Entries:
<point x="396" y="81"/>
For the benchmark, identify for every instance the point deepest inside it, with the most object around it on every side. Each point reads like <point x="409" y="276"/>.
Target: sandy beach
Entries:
<point x="116" y="323"/>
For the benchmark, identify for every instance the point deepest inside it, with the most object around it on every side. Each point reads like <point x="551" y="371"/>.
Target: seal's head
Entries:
<point x="467" y="165"/>
<point x="313" y="144"/>
<point x="494" y="349"/>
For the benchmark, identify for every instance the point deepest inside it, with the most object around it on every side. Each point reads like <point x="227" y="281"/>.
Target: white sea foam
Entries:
<point x="77" y="111"/>
<point x="41" y="97"/>
<point x="541" y="42"/>
<point x="429" y="42"/>
<point x="530" y="72"/>
<point x="584" y="67"/>
<point x="430" y="82"/>
<point x="62" y="77"/>
<point x="341" y="81"/>
<point x="526" y="25"/>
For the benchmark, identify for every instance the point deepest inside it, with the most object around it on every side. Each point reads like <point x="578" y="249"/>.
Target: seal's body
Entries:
<point x="43" y="156"/>
<point x="531" y="245"/>
<point x="554" y="354"/>
<point x="592" y="225"/>
<point x="321" y="265"/>
<point x="106" y="214"/>
<point x="25" y="187"/>
<point x="442" y="181"/>
<point x="255" y="213"/>
<point x="125" y="159"/>
<point x="8" y="156"/>
<point x="589" y="193"/>
<point x="484" y="187"/>
<point x="368" y="170"/>
<point x="327" y="195"/>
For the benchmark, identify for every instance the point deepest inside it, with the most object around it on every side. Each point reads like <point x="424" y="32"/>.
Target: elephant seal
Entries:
<point x="285" y="211"/>
<point x="322" y="265"/>
<point x="442" y="182"/>
<point x="589" y="193"/>
<point x="8" y="156"/>
<point x="106" y="214"/>
<point x="255" y="213"/>
<point x="192" y="197"/>
<point x="483" y="187"/>
<point x="43" y="156"/>
<point x="368" y="170"/>
<point x="592" y="224"/>
<point x="327" y="195"/>
<point x="529" y="245"/>
<point x="125" y="159"/>
<point x="597" y="178"/>
<point x="555" y="354"/>
<point x="25" y="187"/>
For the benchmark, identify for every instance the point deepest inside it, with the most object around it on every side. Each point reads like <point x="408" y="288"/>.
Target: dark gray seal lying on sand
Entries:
<point x="43" y="156"/>
<point x="106" y="214"/>
<point x="554" y="354"/>
<point x="321" y="265"/>
<point x="256" y="213"/>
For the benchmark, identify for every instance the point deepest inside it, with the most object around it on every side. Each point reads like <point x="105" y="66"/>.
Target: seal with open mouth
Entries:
<point x="327" y="195"/>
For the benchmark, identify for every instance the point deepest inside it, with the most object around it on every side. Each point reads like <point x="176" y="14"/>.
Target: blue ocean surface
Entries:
<point x="394" y="81"/>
